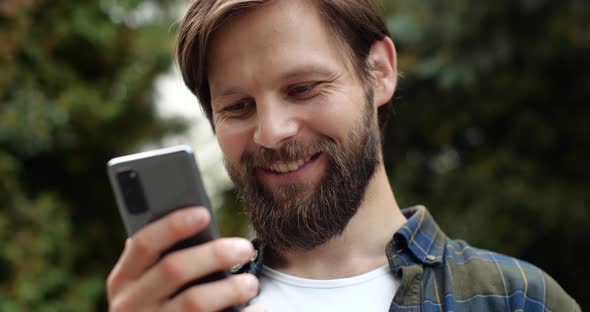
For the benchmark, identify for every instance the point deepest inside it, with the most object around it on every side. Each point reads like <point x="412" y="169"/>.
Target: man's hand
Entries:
<point x="141" y="282"/>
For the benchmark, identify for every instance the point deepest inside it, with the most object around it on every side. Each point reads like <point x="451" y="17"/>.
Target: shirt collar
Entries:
<point x="420" y="235"/>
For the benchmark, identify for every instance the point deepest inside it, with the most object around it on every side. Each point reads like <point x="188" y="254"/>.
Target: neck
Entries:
<point x="360" y="248"/>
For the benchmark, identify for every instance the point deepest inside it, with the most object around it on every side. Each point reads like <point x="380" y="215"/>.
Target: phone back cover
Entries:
<point x="170" y="180"/>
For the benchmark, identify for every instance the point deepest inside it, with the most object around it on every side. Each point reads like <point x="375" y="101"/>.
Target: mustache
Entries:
<point x="290" y="151"/>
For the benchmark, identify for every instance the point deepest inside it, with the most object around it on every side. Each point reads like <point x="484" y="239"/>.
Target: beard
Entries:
<point x="286" y="219"/>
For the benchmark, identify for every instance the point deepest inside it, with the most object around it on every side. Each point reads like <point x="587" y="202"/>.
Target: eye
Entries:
<point x="303" y="90"/>
<point x="240" y="108"/>
<point x="240" y="105"/>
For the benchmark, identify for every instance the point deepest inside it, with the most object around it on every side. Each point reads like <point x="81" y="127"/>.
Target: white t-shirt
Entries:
<point x="372" y="291"/>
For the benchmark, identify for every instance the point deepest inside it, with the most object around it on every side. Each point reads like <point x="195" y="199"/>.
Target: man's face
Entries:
<point x="295" y="124"/>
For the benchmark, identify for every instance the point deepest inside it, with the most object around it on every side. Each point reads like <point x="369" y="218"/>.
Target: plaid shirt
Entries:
<point x="440" y="274"/>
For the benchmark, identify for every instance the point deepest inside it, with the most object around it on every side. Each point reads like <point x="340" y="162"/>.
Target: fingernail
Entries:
<point x="250" y="283"/>
<point x="195" y="216"/>
<point x="242" y="249"/>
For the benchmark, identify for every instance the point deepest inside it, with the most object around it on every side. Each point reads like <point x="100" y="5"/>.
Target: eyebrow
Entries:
<point x="230" y="91"/>
<point x="306" y="70"/>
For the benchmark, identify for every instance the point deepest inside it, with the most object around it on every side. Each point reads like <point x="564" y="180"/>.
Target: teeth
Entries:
<point x="290" y="166"/>
<point x="283" y="167"/>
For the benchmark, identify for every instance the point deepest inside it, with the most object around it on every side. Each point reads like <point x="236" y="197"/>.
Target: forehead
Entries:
<point x="272" y="41"/>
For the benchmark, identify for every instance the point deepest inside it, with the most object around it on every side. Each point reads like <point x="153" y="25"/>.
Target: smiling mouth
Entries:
<point x="290" y="166"/>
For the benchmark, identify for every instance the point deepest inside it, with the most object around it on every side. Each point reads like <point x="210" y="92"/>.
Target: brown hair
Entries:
<point x="357" y="24"/>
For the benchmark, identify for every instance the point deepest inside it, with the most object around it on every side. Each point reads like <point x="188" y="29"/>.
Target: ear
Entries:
<point x="383" y="65"/>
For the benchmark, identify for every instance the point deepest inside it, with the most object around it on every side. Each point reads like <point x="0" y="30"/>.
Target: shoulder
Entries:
<point x="479" y="272"/>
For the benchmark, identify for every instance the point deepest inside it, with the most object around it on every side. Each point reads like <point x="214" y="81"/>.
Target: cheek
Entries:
<point x="232" y="144"/>
<point x="335" y="118"/>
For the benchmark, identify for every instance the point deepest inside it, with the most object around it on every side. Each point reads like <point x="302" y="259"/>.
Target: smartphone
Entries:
<point x="152" y="184"/>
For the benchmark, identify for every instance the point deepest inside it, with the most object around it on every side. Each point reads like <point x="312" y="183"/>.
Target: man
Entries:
<point x="297" y="93"/>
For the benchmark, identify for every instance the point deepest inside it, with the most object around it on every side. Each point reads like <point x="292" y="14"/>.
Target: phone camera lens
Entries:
<point x="132" y="191"/>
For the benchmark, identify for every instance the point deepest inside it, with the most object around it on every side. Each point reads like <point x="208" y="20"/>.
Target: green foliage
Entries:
<point x="231" y="218"/>
<point x="489" y="131"/>
<point x="37" y="257"/>
<point x="76" y="84"/>
<point x="490" y="128"/>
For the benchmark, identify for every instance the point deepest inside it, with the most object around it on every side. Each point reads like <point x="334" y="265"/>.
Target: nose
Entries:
<point x="277" y="124"/>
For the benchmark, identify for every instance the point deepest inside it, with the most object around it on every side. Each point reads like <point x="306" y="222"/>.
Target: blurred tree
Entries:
<point x="76" y="84"/>
<point x="489" y="132"/>
<point x="491" y="126"/>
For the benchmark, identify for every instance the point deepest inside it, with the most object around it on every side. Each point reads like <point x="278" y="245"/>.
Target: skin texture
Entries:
<point x="277" y="77"/>
<point x="313" y="111"/>
<point x="274" y="86"/>
<point x="292" y="218"/>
